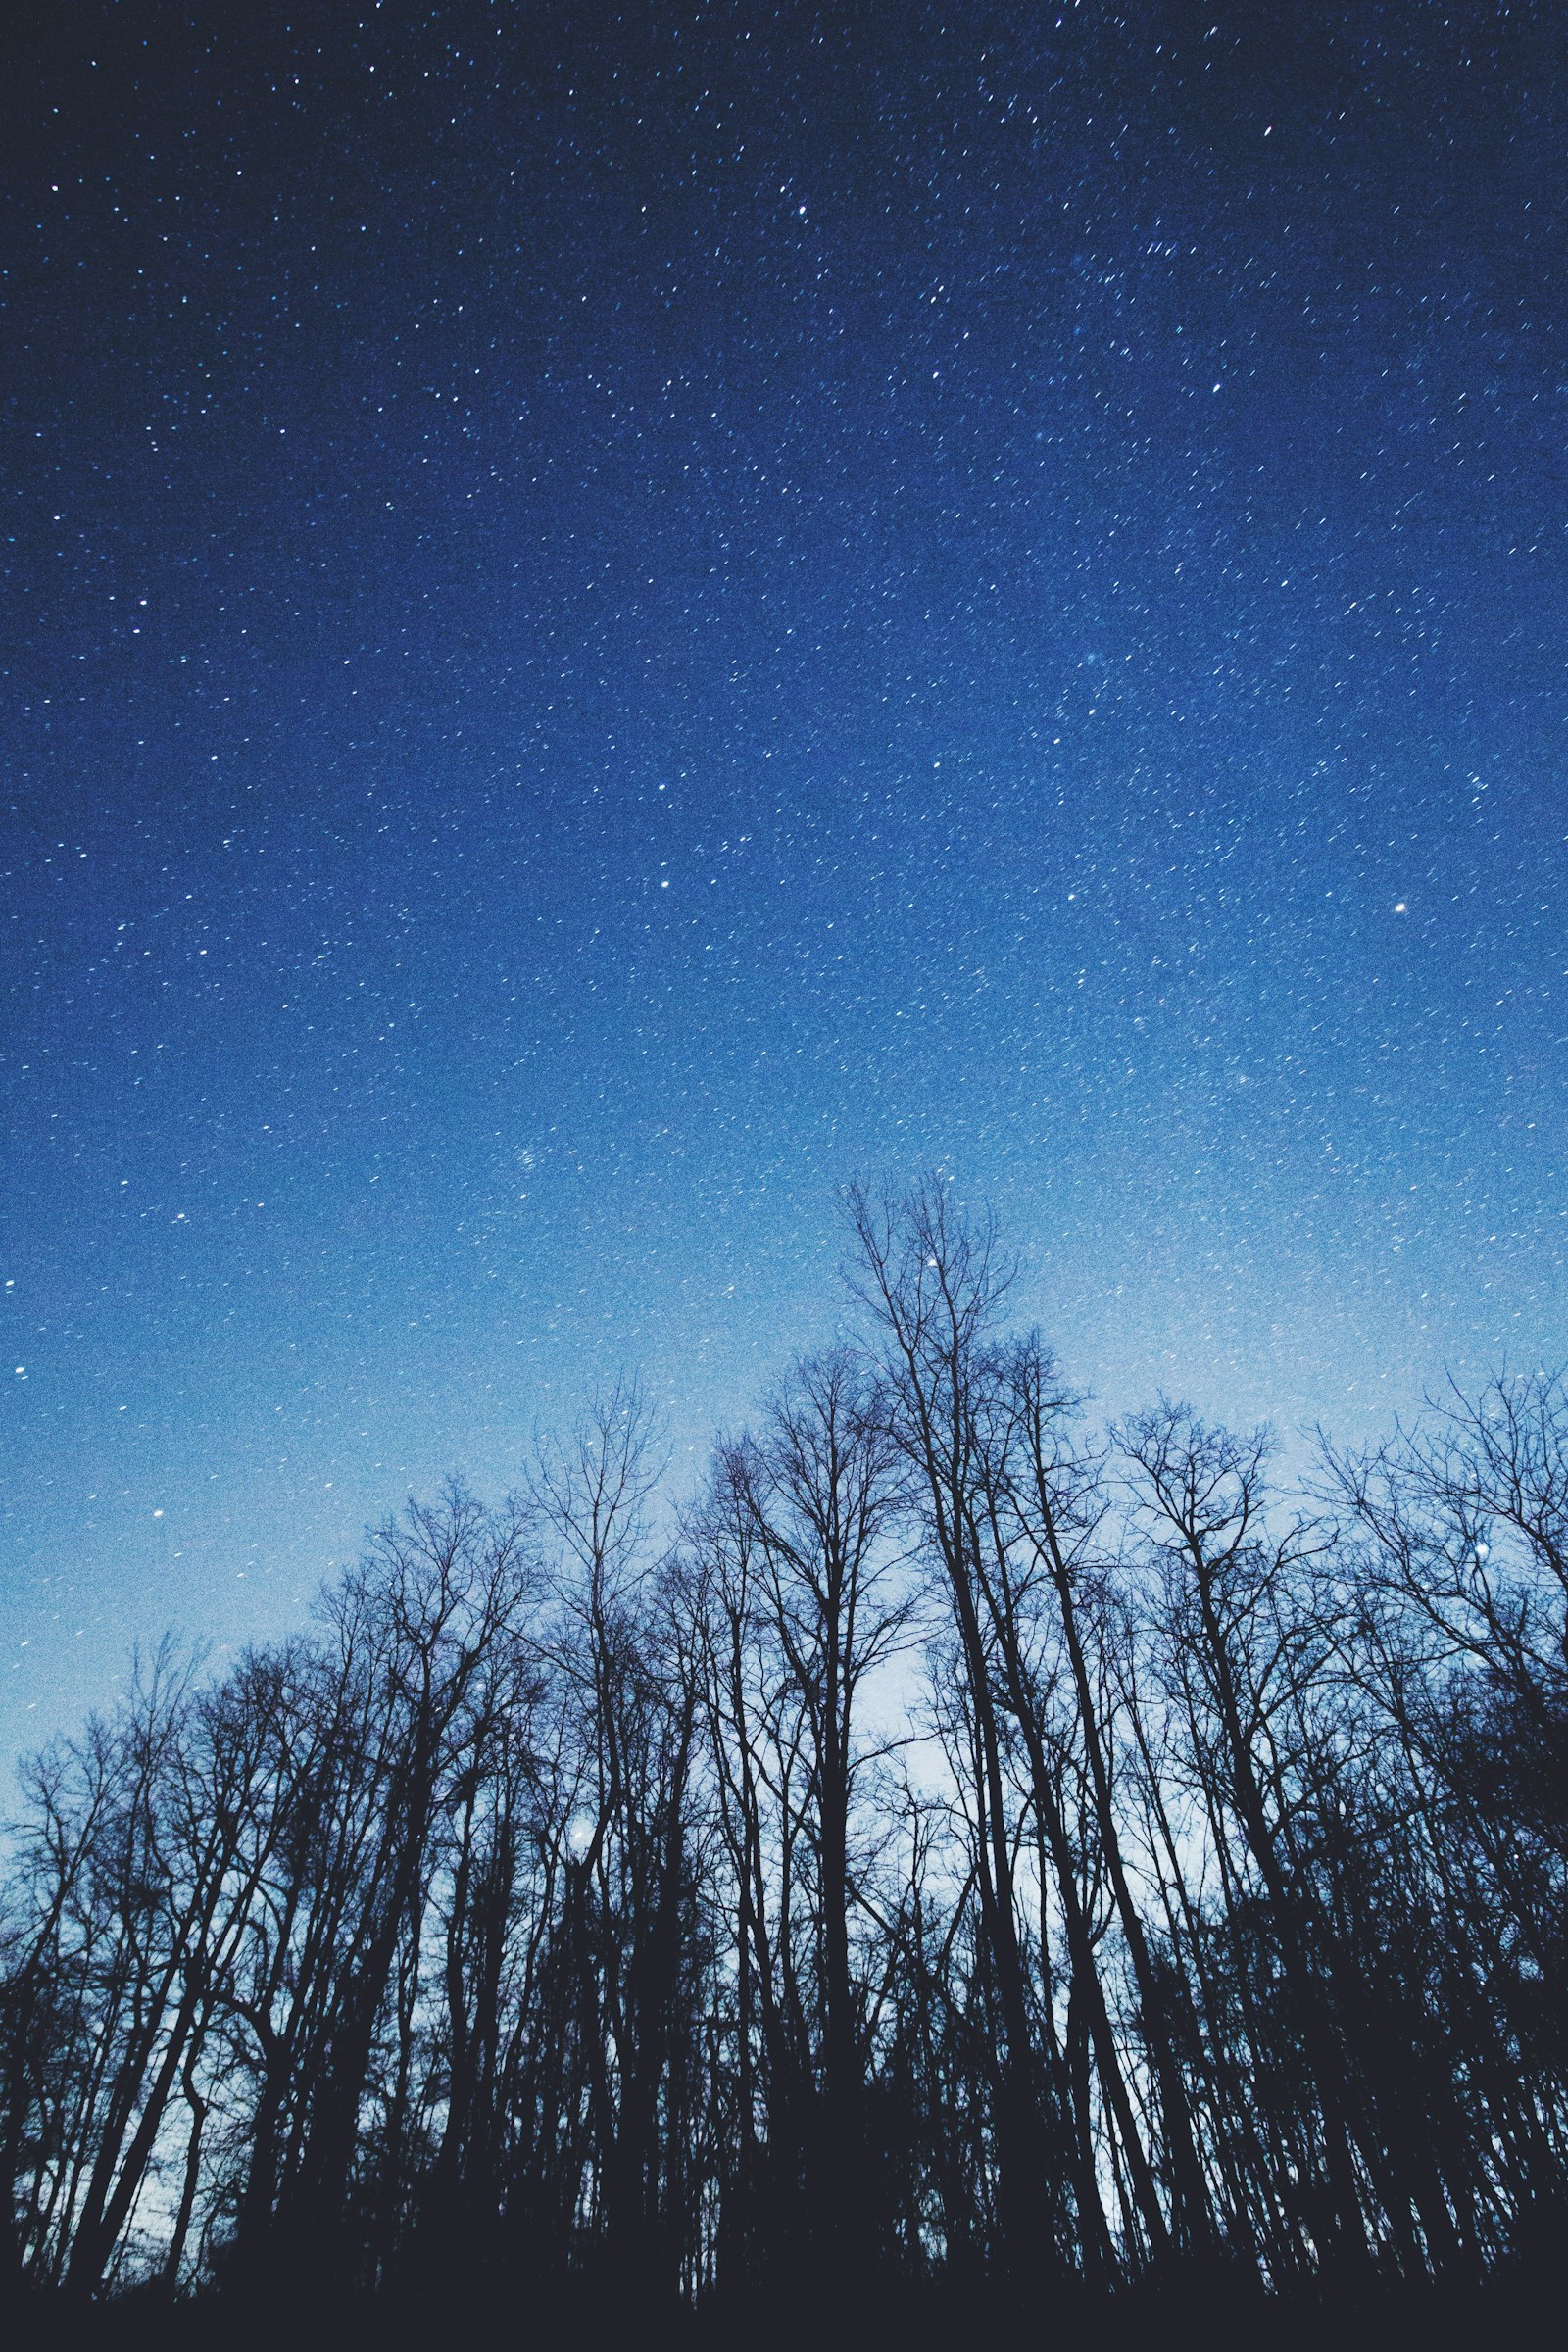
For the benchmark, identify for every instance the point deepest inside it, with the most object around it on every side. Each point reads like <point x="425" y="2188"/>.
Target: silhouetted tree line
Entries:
<point x="976" y="1850"/>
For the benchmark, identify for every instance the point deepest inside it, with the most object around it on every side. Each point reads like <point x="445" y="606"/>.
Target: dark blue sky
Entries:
<point x="613" y="619"/>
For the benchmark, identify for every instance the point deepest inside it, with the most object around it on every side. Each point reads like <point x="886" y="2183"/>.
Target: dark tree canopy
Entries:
<point x="978" y="1854"/>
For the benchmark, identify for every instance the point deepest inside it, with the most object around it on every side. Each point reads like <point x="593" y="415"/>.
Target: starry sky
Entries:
<point x="617" y="615"/>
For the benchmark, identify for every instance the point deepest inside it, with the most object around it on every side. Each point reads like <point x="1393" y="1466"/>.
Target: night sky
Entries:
<point x="614" y="617"/>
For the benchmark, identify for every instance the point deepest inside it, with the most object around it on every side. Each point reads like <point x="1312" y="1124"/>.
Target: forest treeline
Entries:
<point x="976" y="1849"/>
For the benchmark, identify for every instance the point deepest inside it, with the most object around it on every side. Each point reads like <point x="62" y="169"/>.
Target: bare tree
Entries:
<point x="977" y="1851"/>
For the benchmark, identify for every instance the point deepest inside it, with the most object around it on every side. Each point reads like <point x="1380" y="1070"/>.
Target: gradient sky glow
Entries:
<point x="615" y="617"/>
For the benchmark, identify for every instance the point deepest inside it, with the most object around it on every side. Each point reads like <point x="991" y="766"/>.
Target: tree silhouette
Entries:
<point x="963" y="1852"/>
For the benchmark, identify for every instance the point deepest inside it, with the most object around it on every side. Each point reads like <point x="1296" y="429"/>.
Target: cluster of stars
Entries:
<point x="614" y="632"/>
